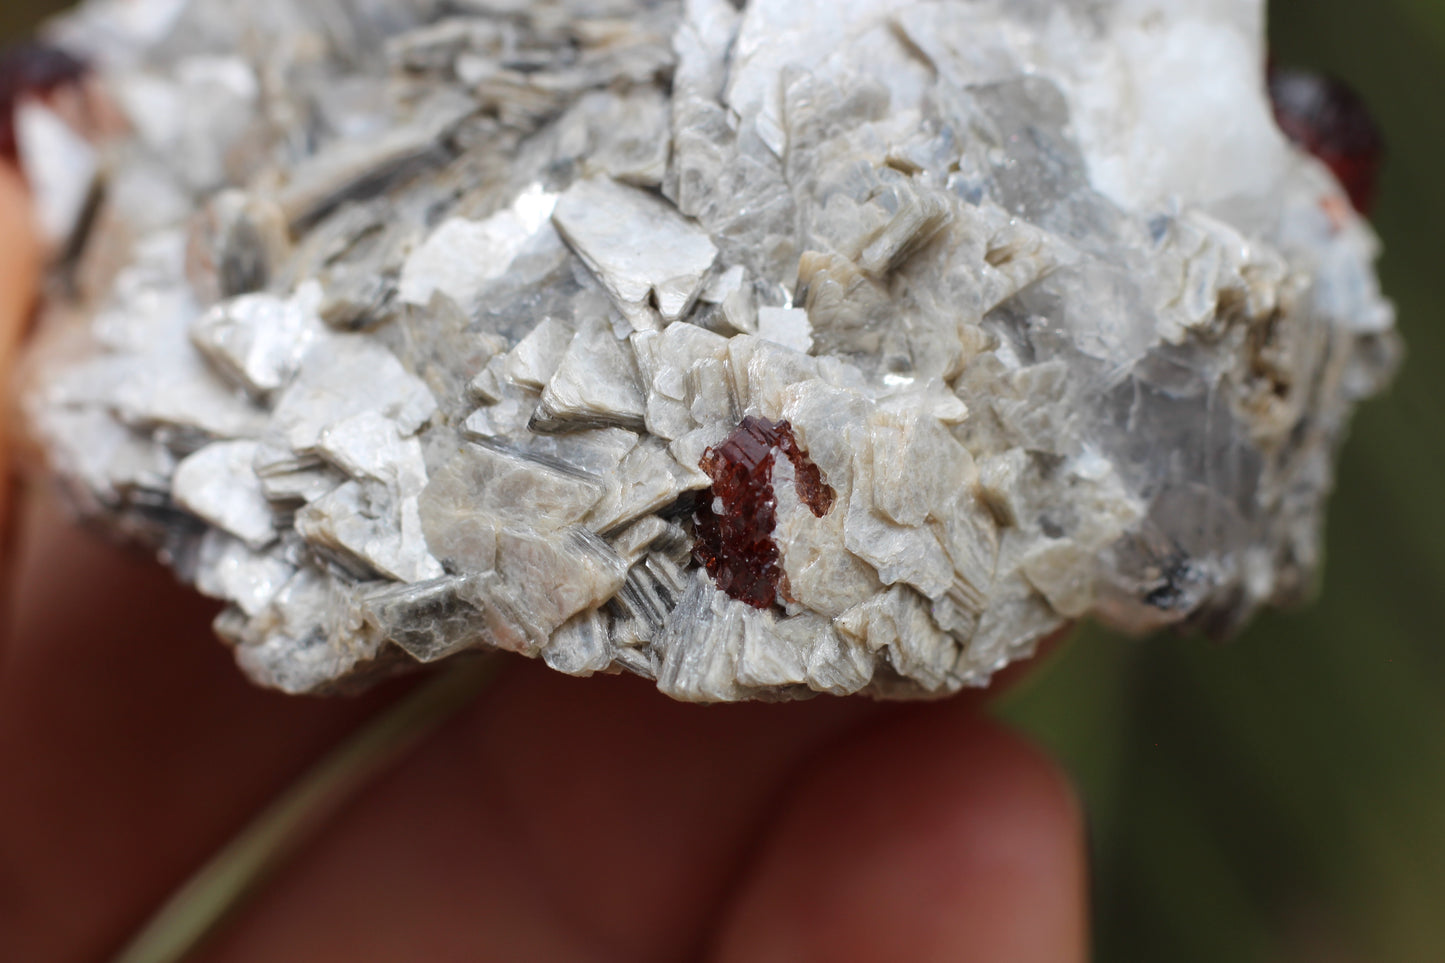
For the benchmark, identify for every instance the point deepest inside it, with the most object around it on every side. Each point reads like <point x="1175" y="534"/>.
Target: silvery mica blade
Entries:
<point x="760" y="349"/>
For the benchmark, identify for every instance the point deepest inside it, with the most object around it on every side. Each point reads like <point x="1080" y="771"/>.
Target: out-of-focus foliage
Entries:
<point x="1282" y="798"/>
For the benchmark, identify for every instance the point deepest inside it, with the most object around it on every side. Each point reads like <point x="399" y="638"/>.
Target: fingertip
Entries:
<point x="941" y="836"/>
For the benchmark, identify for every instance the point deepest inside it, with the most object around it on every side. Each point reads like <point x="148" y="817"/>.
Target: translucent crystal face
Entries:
<point x="762" y="350"/>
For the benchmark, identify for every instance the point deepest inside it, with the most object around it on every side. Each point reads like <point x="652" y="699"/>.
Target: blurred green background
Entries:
<point x="1282" y="798"/>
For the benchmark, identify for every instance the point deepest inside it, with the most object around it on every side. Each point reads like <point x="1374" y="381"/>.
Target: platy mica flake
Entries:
<point x="761" y="349"/>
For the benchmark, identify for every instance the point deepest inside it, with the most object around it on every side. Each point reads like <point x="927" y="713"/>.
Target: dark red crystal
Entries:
<point x="31" y="70"/>
<point x="733" y="527"/>
<point x="1325" y="117"/>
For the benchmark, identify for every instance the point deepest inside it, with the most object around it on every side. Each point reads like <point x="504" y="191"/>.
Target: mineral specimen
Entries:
<point x="761" y="349"/>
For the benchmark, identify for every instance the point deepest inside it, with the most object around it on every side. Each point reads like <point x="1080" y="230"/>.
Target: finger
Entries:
<point x="558" y="819"/>
<point x="19" y="254"/>
<point x="939" y="837"/>
<point x="20" y="260"/>
<point x="131" y="746"/>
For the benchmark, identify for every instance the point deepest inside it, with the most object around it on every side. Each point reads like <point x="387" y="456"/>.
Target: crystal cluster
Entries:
<point x="734" y="533"/>
<point x="760" y="349"/>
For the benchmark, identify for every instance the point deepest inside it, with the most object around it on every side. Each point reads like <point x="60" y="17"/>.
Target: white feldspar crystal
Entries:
<point x="405" y="328"/>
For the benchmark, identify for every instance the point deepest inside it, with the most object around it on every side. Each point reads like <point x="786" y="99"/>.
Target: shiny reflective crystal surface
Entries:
<point x="761" y="350"/>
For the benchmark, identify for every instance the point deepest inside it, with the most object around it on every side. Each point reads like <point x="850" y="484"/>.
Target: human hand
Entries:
<point x="554" y="819"/>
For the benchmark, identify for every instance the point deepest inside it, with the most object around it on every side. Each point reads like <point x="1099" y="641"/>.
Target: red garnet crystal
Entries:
<point x="31" y="69"/>
<point x="1325" y="117"/>
<point x="733" y="526"/>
